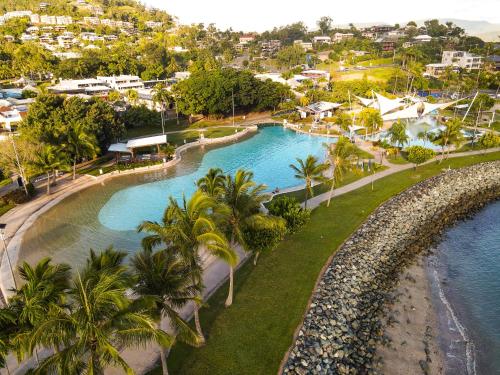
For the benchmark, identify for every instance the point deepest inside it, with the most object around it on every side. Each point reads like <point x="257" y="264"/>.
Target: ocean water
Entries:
<point x="108" y="213"/>
<point x="467" y="265"/>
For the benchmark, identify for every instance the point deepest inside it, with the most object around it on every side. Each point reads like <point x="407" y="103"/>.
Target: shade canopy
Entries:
<point x="138" y="142"/>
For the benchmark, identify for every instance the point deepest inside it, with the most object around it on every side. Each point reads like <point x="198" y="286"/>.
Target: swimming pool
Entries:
<point x="108" y="214"/>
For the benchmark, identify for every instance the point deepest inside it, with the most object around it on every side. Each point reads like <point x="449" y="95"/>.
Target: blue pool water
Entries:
<point x="108" y="213"/>
<point x="469" y="269"/>
<point x="268" y="154"/>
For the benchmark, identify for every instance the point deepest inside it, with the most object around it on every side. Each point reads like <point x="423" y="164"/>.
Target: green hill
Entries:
<point x="125" y="10"/>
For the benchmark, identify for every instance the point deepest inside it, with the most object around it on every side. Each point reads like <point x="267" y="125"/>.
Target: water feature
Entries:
<point x="109" y="213"/>
<point x="467" y="266"/>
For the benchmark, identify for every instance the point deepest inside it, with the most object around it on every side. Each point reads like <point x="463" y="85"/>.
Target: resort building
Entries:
<point x="11" y="118"/>
<point x="462" y="59"/>
<point x="422" y="38"/>
<point x="247" y="38"/>
<point x="130" y="148"/>
<point x="304" y="45"/>
<point x="322" y="39"/>
<point x="179" y="76"/>
<point x="316" y="75"/>
<point x="339" y="37"/>
<point x="270" y="46"/>
<point x="88" y="86"/>
<point x="319" y="110"/>
<point x="436" y="70"/>
<point x="122" y="83"/>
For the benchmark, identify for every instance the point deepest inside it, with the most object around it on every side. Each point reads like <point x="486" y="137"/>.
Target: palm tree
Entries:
<point x="398" y="134"/>
<point x="7" y="327"/>
<point x="341" y="157"/>
<point x="242" y="197"/>
<point x="132" y="96"/>
<point x="310" y="171"/>
<point x="184" y="230"/>
<point x="212" y="183"/>
<point x="164" y="278"/>
<point x="450" y="134"/>
<point x="424" y="135"/>
<point x="98" y="322"/>
<point x="44" y="287"/>
<point x="80" y="144"/>
<point x="47" y="160"/>
<point x="162" y="96"/>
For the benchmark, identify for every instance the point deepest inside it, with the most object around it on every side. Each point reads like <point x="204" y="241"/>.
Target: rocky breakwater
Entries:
<point x="342" y="325"/>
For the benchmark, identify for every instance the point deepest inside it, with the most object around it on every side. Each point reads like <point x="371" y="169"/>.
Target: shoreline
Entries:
<point x="343" y="324"/>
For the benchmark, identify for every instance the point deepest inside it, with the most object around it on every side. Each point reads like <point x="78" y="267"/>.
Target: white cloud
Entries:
<point x="259" y="15"/>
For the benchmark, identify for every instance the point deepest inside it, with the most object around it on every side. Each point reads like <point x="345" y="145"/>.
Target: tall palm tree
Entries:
<point x="450" y="134"/>
<point x="7" y="328"/>
<point x="44" y="287"/>
<point x="165" y="278"/>
<point x="310" y="171"/>
<point x="242" y="198"/>
<point x="47" y="160"/>
<point x="397" y="133"/>
<point x="80" y="144"/>
<point x="185" y="229"/>
<point x="341" y="158"/>
<point x="162" y="97"/>
<point x="98" y="322"/>
<point x="212" y="183"/>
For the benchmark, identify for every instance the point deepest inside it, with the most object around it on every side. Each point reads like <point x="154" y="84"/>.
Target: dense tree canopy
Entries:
<point x="211" y="92"/>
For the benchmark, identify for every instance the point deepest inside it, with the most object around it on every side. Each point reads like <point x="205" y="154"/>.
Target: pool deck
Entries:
<point x="216" y="272"/>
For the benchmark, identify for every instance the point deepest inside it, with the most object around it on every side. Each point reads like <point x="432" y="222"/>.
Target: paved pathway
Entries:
<point x="216" y="271"/>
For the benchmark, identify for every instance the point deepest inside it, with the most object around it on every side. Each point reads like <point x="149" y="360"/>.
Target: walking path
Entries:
<point x="216" y="271"/>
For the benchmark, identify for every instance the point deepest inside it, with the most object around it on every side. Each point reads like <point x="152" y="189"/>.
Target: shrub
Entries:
<point x="19" y="196"/>
<point x="289" y="209"/>
<point x="489" y="140"/>
<point x="418" y="154"/>
<point x="264" y="234"/>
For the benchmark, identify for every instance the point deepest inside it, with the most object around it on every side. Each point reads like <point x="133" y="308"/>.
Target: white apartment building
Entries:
<point x="16" y="14"/>
<point x="322" y="39"/>
<point x="304" y="45"/>
<point x="91" y="20"/>
<point x="339" y="37"/>
<point x="88" y="86"/>
<point x="123" y="82"/>
<point x="462" y="59"/>
<point x="154" y="24"/>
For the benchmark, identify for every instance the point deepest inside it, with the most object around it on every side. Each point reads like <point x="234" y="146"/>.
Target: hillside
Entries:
<point x="485" y="30"/>
<point x="125" y="10"/>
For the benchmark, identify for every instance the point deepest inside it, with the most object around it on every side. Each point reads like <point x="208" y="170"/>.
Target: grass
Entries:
<point x="376" y="74"/>
<point x="253" y="335"/>
<point x="5" y="207"/>
<point x="374" y="62"/>
<point x="193" y="135"/>
<point x="170" y="126"/>
<point x="6" y="182"/>
<point x="398" y="159"/>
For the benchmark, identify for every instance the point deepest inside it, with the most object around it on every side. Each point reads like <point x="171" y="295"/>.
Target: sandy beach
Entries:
<point x="410" y="344"/>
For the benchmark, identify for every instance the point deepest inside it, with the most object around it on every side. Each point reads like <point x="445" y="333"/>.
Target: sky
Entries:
<point x="260" y="15"/>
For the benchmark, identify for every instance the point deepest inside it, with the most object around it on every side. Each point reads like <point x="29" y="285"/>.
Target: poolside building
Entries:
<point x="122" y="83"/>
<point x="319" y="110"/>
<point x="127" y="151"/>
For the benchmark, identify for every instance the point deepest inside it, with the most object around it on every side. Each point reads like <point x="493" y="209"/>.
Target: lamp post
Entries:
<point x="2" y="235"/>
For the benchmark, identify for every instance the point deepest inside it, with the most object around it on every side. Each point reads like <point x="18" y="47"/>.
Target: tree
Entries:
<point x="370" y="118"/>
<point x="43" y="290"/>
<point x="289" y="209"/>
<point x="98" y="322"/>
<point x="114" y="96"/>
<point x="344" y="120"/>
<point x="291" y="56"/>
<point x="418" y="154"/>
<point x="242" y="198"/>
<point x="341" y="158"/>
<point x="310" y="171"/>
<point x="213" y="183"/>
<point x="49" y="159"/>
<point x="263" y="234"/>
<point x="164" y="278"/>
<point x="162" y="96"/>
<point x="132" y="96"/>
<point x="451" y="133"/>
<point x="324" y="24"/>
<point x="489" y="140"/>
<point x="397" y="134"/>
<point x="185" y="229"/>
<point x="80" y="144"/>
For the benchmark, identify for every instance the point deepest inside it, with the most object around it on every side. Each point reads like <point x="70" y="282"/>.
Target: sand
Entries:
<point x="411" y="327"/>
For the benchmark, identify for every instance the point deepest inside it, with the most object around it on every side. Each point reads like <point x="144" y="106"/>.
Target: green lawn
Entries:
<point x="6" y="207"/>
<point x="170" y="126"/>
<point x="373" y="62"/>
<point x="193" y="135"/>
<point x="252" y="336"/>
<point x="398" y="159"/>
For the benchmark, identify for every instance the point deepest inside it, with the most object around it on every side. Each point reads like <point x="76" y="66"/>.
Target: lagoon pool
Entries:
<point x="108" y="213"/>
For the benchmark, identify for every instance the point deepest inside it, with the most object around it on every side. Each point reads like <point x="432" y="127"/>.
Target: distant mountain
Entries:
<point x="483" y="29"/>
